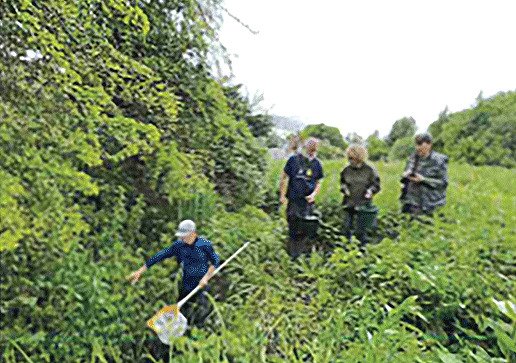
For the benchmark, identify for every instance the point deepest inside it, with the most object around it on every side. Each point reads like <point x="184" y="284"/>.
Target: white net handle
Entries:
<point x="194" y="291"/>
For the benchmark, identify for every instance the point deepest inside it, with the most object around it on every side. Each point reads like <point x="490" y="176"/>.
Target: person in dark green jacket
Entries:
<point x="359" y="182"/>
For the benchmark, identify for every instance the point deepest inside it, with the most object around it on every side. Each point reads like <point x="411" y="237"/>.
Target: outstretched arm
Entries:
<point x="135" y="276"/>
<point x="158" y="257"/>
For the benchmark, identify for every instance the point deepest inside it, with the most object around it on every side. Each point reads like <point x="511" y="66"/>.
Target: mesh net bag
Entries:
<point x="168" y="323"/>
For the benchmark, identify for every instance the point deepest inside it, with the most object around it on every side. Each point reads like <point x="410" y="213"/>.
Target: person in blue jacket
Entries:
<point x="299" y="185"/>
<point x="198" y="260"/>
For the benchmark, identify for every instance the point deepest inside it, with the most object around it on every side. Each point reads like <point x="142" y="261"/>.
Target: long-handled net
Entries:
<point x="168" y="322"/>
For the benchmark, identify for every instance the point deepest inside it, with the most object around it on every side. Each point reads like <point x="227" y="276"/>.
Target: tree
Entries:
<point x="273" y="140"/>
<point x="402" y="148"/>
<point x="436" y="128"/>
<point x="354" y="138"/>
<point x="324" y="132"/>
<point x="326" y="151"/>
<point x="479" y="98"/>
<point x="401" y="128"/>
<point x="376" y="147"/>
<point x="241" y="108"/>
<point x="482" y="135"/>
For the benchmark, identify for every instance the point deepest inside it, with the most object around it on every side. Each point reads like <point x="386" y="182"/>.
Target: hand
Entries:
<point x="345" y="190"/>
<point x="135" y="276"/>
<point x="204" y="281"/>
<point x="310" y="198"/>
<point x="368" y="194"/>
<point x="418" y="178"/>
<point x="283" y="199"/>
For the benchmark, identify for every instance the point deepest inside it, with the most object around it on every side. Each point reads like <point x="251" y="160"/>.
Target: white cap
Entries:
<point x="185" y="228"/>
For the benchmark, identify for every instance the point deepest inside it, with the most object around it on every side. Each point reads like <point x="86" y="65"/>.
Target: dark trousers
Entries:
<point x="298" y="241"/>
<point x="197" y="308"/>
<point x="415" y="210"/>
<point x="357" y="223"/>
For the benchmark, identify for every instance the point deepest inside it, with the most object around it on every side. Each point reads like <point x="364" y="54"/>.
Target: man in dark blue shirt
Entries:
<point x="303" y="174"/>
<point x="198" y="260"/>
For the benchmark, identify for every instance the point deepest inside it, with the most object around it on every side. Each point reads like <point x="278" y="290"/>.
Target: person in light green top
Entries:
<point x="425" y="179"/>
<point x="359" y="182"/>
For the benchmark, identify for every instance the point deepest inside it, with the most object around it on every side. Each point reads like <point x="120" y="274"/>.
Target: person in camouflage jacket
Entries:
<point x="425" y="179"/>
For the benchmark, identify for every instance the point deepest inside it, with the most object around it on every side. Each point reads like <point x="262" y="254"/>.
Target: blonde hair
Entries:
<point x="357" y="152"/>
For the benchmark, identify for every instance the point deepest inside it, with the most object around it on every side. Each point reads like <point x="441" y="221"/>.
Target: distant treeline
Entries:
<point x="482" y="135"/>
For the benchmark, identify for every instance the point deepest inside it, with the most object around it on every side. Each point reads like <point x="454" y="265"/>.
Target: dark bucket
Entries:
<point x="309" y="224"/>
<point x="368" y="214"/>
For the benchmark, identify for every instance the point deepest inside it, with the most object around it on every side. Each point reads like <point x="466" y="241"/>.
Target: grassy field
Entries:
<point x="457" y="269"/>
<point x="435" y="293"/>
<point x="486" y="190"/>
<point x="441" y="293"/>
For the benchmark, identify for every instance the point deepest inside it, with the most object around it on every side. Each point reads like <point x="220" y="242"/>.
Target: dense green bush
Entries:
<point x="402" y="149"/>
<point x="326" y="151"/>
<point x="112" y="131"/>
<point x="324" y="132"/>
<point x="402" y="128"/>
<point x="482" y="135"/>
<point x="377" y="148"/>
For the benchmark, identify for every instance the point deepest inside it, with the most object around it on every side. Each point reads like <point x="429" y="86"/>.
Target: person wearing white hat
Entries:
<point x="194" y="253"/>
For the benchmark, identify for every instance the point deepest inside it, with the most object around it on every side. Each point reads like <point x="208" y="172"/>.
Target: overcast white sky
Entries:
<point x="361" y="65"/>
